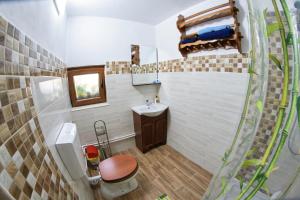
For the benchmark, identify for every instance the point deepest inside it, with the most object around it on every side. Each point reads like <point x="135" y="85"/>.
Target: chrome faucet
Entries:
<point x="148" y="103"/>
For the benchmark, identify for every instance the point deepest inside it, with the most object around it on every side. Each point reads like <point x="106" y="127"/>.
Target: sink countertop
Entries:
<point x="152" y="110"/>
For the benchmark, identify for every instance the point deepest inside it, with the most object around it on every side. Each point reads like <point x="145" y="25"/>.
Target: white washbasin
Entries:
<point x="150" y="111"/>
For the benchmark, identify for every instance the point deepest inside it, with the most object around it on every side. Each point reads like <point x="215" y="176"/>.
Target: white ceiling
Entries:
<point x="145" y="11"/>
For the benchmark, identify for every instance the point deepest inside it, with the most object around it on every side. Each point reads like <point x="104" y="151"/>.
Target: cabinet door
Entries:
<point x="147" y="131"/>
<point x="160" y="135"/>
<point x="138" y="130"/>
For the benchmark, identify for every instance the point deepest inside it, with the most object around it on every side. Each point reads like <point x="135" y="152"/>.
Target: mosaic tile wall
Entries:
<point x="237" y="63"/>
<point x="147" y="68"/>
<point x="27" y="167"/>
<point x="118" y="67"/>
<point x="273" y="97"/>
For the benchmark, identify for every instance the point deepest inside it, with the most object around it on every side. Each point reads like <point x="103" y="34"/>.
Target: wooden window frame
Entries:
<point x="100" y="69"/>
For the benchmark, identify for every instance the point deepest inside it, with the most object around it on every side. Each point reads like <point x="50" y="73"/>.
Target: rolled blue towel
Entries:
<point x="213" y="28"/>
<point x="189" y="40"/>
<point x="211" y="33"/>
<point x="218" y="34"/>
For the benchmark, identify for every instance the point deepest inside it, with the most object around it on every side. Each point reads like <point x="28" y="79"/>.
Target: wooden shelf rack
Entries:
<point x="220" y="11"/>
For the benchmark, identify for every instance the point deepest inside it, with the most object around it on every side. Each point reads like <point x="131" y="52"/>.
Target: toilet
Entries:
<point x="117" y="173"/>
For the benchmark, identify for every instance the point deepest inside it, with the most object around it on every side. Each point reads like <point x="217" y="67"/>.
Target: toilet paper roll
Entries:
<point x="100" y="131"/>
<point x="94" y="180"/>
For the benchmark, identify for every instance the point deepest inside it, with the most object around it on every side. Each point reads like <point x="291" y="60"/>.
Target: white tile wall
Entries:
<point x="52" y="104"/>
<point x="144" y="78"/>
<point x="235" y="190"/>
<point x="204" y="111"/>
<point x="121" y="96"/>
<point x="287" y="166"/>
<point x="54" y="109"/>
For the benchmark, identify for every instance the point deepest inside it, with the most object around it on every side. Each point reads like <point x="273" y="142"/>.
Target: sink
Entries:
<point x="150" y="111"/>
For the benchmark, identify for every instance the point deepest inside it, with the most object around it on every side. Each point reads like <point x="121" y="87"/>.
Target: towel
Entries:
<point x="210" y="33"/>
<point x="213" y="28"/>
<point x="217" y="34"/>
<point x="189" y="40"/>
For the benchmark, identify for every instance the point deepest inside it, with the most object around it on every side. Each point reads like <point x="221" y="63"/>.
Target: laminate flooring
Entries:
<point x="163" y="170"/>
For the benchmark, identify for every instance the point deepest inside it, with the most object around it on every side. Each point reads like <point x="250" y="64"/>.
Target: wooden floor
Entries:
<point x="165" y="171"/>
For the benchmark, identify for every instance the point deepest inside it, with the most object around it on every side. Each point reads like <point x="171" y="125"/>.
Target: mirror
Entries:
<point x="144" y="67"/>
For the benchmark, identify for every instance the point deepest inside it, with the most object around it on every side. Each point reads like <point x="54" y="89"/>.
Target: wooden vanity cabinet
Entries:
<point x="150" y="131"/>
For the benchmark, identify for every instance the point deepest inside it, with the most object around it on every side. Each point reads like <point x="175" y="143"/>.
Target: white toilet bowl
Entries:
<point x="113" y="190"/>
<point x="117" y="173"/>
<point x="118" y="176"/>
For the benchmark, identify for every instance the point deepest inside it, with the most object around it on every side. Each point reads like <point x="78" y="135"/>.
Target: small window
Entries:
<point x="87" y="85"/>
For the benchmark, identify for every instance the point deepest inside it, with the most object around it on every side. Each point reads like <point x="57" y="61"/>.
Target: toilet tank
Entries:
<point x="70" y="151"/>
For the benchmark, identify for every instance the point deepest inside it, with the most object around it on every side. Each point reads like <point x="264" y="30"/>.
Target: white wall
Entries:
<point x="121" y="96"/>
<point x="168" y="36"/>
<point x="96" y="40"/>
<point x="198" y="114"/>
<point x="287" y="166"/>
<point x="148" y="55"/>
<point x="40" y="21"/>
<point x="204" y="111"/>
<point x="51" y="100"/>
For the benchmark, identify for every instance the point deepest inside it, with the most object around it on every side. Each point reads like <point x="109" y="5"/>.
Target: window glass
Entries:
<point x="86" y="86"/>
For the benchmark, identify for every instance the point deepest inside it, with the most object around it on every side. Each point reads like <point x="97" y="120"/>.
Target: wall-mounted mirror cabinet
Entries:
<point x="144" y="65"/>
